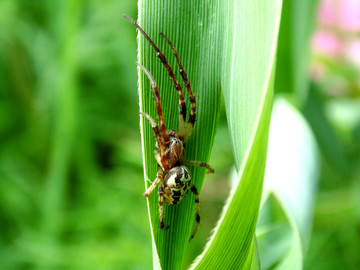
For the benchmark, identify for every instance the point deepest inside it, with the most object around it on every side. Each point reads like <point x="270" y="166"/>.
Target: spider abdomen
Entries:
<point x="177" y="183"/>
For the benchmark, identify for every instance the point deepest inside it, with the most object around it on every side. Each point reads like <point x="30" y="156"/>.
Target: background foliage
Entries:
<point x="71" y="172"/>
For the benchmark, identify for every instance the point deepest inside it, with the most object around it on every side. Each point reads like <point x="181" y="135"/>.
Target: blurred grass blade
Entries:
<point x="293" y="166"/>
<point x="251" y="30"/>
<point x="278" y="236"/>
<point x="194" y="31"/>
<point x="291" y="177"/>
<point x="297" y="22"/>
<point x="330" y="144"/>
<point x="273" y="232"/>
<point x="64" y="132"/>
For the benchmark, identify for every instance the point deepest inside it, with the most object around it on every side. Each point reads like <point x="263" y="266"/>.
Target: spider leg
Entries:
<point x="199" y="164"/>
<point x="182" y="105"/>
<point x="158" y="179"/>
<point x="197" y="217"/>
<point x="160" y="142"/>
<point x="155" y="89"/>
<point x="161" y="208"/>
<point x="190" y="125"/>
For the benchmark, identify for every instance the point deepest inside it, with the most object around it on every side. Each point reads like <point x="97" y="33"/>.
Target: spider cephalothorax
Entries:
<point x="174" y="152"/>
<point x="173" y="178"/>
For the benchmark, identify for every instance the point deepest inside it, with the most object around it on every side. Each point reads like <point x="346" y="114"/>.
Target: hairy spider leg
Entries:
<point x="199" y="164"/>
<point x="190" y="125"/>
<point x="197" y="215"/>
<point x="159" y="177"/>
<point x="163" y="131"/>
<point x="161" y="207"/>
<point x="182" y="104"/>
<point x="160" y="142"/>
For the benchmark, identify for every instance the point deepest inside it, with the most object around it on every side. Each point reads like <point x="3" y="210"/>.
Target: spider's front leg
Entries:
<point x="158" y="179"/>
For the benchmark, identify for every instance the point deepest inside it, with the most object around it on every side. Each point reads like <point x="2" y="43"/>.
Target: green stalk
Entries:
<point x="65" y="116"/>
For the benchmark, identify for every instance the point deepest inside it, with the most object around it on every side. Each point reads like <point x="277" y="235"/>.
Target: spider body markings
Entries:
<point x="177" y="183"/>
<point x="173" y="177"/>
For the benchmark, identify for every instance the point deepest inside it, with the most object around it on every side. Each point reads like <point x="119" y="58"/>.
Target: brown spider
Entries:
<point x="174" y="178"/>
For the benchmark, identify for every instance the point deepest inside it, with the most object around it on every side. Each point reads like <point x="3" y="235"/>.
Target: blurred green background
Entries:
<point x="71" y="174"/>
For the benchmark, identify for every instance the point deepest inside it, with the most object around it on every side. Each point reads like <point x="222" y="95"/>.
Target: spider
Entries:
<point x="173" y="177"/>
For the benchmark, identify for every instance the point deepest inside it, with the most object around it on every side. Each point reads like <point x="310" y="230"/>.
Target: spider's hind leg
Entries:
<point x="197" y="215"/>
<point x="199" y="164"/>
<point x="161" y="208"/>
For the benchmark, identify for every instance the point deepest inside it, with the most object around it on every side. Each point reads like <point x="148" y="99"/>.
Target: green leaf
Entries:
<point x="194" y="29"/>
<point x="247" y="79"/>
<point x="273" y="232"/>
<point x="331" y="146"/>
<point x="231" y="45"/>
<point x="232" y="243"/>
<point x="297" y="22"/>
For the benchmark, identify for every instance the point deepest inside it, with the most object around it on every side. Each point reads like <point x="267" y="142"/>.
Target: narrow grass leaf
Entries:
<point x="297" y="23"/>
<point x="194" y="29"/>
<point x="250" y="39"/>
